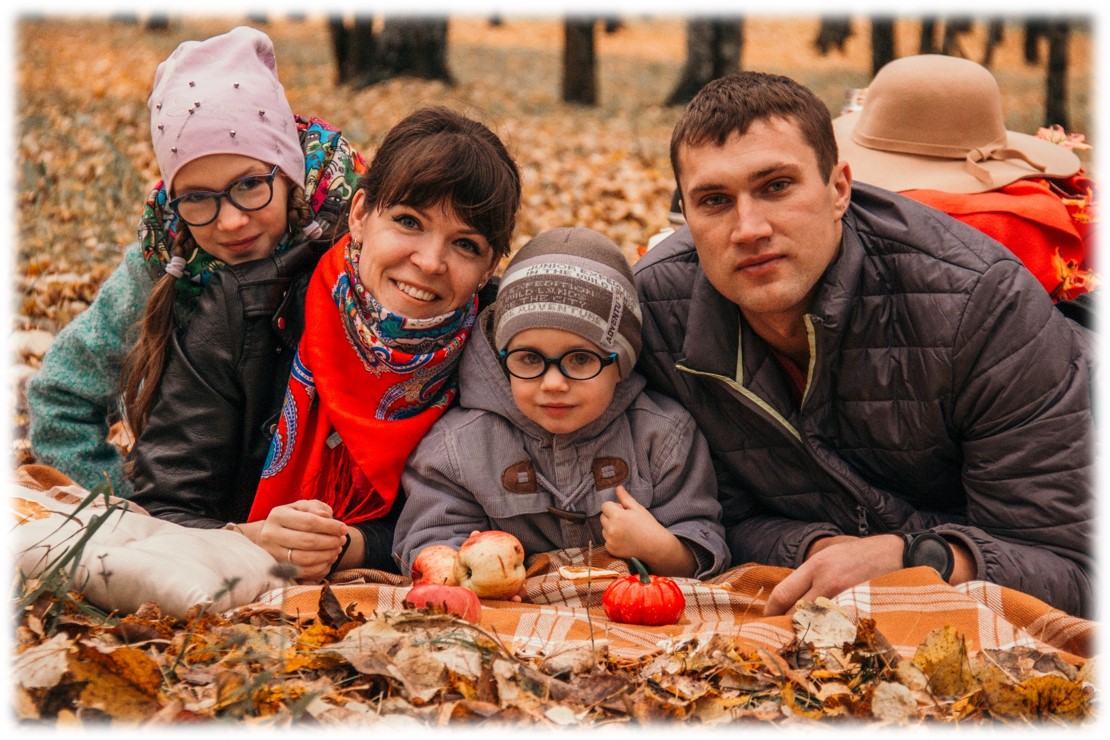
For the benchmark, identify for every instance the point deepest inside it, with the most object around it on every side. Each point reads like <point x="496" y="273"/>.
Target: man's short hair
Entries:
<point x="734" y="102"/>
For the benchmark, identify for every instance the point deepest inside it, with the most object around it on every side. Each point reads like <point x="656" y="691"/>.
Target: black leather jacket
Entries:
<point x="201" y="454"/>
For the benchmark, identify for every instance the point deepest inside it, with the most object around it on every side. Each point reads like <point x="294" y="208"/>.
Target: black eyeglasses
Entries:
<point x="576" y="364"/>
<point x="201" y="207"/>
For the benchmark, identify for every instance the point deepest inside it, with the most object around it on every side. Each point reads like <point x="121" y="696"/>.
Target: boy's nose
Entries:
<point x="553" y="378"/>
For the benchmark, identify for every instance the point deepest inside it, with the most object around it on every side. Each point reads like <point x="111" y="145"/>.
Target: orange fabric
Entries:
<point x="1034" y="223"/>
<point x="41" y="477"/>
<point x="906" y="606"/>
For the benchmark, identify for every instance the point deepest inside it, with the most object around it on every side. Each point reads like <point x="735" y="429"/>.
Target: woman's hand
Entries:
<point x="303" y="534"/>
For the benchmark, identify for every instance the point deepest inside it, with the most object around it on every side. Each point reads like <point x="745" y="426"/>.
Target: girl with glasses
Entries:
<point x="243" y="178"/>
<point x="372" y="356"/>
<point x="555" y="440"/>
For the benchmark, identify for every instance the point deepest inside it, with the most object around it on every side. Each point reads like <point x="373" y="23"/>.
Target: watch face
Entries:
<point x="932" y="550"/>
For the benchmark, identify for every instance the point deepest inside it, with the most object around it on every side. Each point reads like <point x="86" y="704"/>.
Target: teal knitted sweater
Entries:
<point x="73" y="395"/>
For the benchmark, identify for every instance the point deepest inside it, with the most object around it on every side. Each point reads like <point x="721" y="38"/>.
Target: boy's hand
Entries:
<point x="630" y="529"/>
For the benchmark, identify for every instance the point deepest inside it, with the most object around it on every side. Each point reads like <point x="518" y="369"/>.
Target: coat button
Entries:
<point x="281" y="322"/>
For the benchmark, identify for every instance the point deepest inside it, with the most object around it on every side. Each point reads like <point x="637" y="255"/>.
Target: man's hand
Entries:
<point x="835" y="567"/>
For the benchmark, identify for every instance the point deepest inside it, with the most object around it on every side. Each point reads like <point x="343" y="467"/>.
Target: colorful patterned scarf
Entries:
<point x="332" y="169"/>
<point x="365" y="387"/>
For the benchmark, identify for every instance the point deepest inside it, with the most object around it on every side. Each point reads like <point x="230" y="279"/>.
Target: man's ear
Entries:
<point x="841" y="183"/>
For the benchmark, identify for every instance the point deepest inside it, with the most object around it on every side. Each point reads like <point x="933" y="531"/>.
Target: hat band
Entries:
<point x="972" y="157"/>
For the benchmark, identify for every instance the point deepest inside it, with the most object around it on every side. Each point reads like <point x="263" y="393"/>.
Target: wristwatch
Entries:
<point x="928" y="548"/>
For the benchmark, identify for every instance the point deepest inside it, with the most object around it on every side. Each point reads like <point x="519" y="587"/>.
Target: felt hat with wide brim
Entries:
<point x="936" y="122"/>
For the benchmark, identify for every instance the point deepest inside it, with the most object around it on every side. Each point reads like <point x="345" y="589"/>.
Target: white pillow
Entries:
<point x="131" y="557"/>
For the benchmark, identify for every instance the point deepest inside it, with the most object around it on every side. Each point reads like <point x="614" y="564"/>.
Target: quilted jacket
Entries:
<point x="945" y="392"/>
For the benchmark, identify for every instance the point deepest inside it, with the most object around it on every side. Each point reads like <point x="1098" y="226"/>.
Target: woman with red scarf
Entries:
<point x="387" y="313"/>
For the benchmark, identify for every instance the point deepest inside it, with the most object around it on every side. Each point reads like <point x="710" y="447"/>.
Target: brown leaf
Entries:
<point x="892" y="703"/>
<point x="330" y="611"/>
<point x="42" y="666"/>
<point x="594" y="688"/>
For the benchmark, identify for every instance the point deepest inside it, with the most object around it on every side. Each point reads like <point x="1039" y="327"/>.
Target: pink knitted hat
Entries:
<point x="222" y="96"/>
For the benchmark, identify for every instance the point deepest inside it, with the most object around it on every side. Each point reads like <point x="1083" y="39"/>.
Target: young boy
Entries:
<point x="555" y="440"/>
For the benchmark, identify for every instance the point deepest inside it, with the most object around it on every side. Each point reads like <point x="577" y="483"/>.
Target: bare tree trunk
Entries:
<point x="882" y="43"/>
<point x="406" y="47"/>
<point x="928" y="37"/>
<point x="713" y="49"/>
<point x="579" y="61"/>
<point x="413" y="47"/>
<point x="1035" y="30"/>
<point x="953" y="29"/>
<point x="832" y="34"/>
<point x="352" y="46"/>
<point x="995" y="27"/>
<point x="340" y="46"/>
<point x="1056" y="76"/>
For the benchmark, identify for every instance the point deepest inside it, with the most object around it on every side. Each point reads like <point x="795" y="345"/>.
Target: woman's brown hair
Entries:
<point x="436" y="155"/>
<point x="145" y="363"/>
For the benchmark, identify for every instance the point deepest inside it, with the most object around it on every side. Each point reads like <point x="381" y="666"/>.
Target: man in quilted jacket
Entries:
<point x="881" y="386"/>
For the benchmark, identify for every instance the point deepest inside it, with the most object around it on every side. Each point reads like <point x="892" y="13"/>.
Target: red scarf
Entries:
<point x="1035" y="224"/>
<point x="352" y="414"/>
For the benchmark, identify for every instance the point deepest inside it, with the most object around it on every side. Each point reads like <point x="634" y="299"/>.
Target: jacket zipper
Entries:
<point x="862" y="526"/>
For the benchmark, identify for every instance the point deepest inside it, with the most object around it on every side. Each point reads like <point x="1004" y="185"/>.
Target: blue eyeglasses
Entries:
<point x="201" y="207"/>
<point x="576" y="364"/>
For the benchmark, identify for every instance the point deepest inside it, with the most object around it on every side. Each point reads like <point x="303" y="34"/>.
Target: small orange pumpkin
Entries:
<point x="645" y="599"/>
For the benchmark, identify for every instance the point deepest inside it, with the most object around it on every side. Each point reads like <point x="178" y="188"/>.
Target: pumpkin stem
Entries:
<point x="641" y="570"/>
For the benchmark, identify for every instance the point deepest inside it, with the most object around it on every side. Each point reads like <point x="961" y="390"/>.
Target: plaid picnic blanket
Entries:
<point x="906" y="606"/>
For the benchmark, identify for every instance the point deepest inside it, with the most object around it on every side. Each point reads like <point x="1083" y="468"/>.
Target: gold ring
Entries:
<point x="289" y="557"/>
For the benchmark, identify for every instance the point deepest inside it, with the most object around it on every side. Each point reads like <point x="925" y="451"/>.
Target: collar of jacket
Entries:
<point x="733" y="343"/>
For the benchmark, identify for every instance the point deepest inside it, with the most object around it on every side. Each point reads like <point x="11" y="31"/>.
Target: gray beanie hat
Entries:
<point x="572" y="279"/>
<point x="222" y="96"/>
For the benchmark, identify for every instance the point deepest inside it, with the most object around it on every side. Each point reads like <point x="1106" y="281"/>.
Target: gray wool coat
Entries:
<point x="945" y="393"/>
<point x="484" y="465"/>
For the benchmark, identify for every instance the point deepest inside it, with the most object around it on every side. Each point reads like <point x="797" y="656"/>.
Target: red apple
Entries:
<point x="435" y="564"/>
<point x="491" y="564"/>
<point x="462" y="602"/>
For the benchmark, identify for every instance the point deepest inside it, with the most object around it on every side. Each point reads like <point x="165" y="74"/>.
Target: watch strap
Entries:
<point x="928" y="548"/>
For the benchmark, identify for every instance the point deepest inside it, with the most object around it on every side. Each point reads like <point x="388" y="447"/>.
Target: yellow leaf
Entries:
<point x="109" y="688"/>
<point x="1056" y="696"/>
<point x="943" y="659"/>
<point x="1002" y="695"/>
